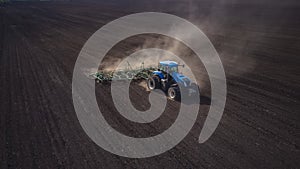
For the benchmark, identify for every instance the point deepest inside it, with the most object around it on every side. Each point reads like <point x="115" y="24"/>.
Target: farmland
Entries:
<point x="258" y="43"/>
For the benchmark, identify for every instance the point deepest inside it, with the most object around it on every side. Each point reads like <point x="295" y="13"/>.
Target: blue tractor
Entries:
<point x="168" y="79"/>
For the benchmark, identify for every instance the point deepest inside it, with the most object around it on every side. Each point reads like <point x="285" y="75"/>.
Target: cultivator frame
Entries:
<point x="123" y="74"/>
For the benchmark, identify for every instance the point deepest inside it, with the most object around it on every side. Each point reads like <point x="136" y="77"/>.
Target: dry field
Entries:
<point x="259" y="45"/>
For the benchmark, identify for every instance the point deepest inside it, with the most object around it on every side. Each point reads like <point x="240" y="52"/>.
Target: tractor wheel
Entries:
<point x="174" y="93"/>
<point x="153" y="83"/>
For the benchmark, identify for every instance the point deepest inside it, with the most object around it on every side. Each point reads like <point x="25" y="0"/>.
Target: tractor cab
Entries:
<point x="168" y="66"/>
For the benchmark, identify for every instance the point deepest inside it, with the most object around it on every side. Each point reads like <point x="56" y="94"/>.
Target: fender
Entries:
<point x="159" y="74"/>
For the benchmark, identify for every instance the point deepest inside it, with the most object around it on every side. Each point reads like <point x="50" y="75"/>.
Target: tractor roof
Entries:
<point x="168" y="63"/>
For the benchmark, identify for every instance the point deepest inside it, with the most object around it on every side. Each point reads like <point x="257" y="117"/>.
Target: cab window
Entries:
<point x="163" y="68"/>
<point x="174" y="69"/>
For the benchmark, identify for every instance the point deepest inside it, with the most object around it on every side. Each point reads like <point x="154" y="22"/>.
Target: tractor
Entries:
<point x="168" y="79"/>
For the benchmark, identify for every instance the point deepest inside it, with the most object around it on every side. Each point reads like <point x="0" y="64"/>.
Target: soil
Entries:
<point x="259" y="45"/>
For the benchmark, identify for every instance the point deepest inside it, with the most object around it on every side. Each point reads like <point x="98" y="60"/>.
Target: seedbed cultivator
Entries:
<point x="123" y="74"/>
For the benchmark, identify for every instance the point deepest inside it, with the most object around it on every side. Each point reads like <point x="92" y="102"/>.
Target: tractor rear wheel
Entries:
<point x="174" y="93"/>
<point x="153" y="83"/>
